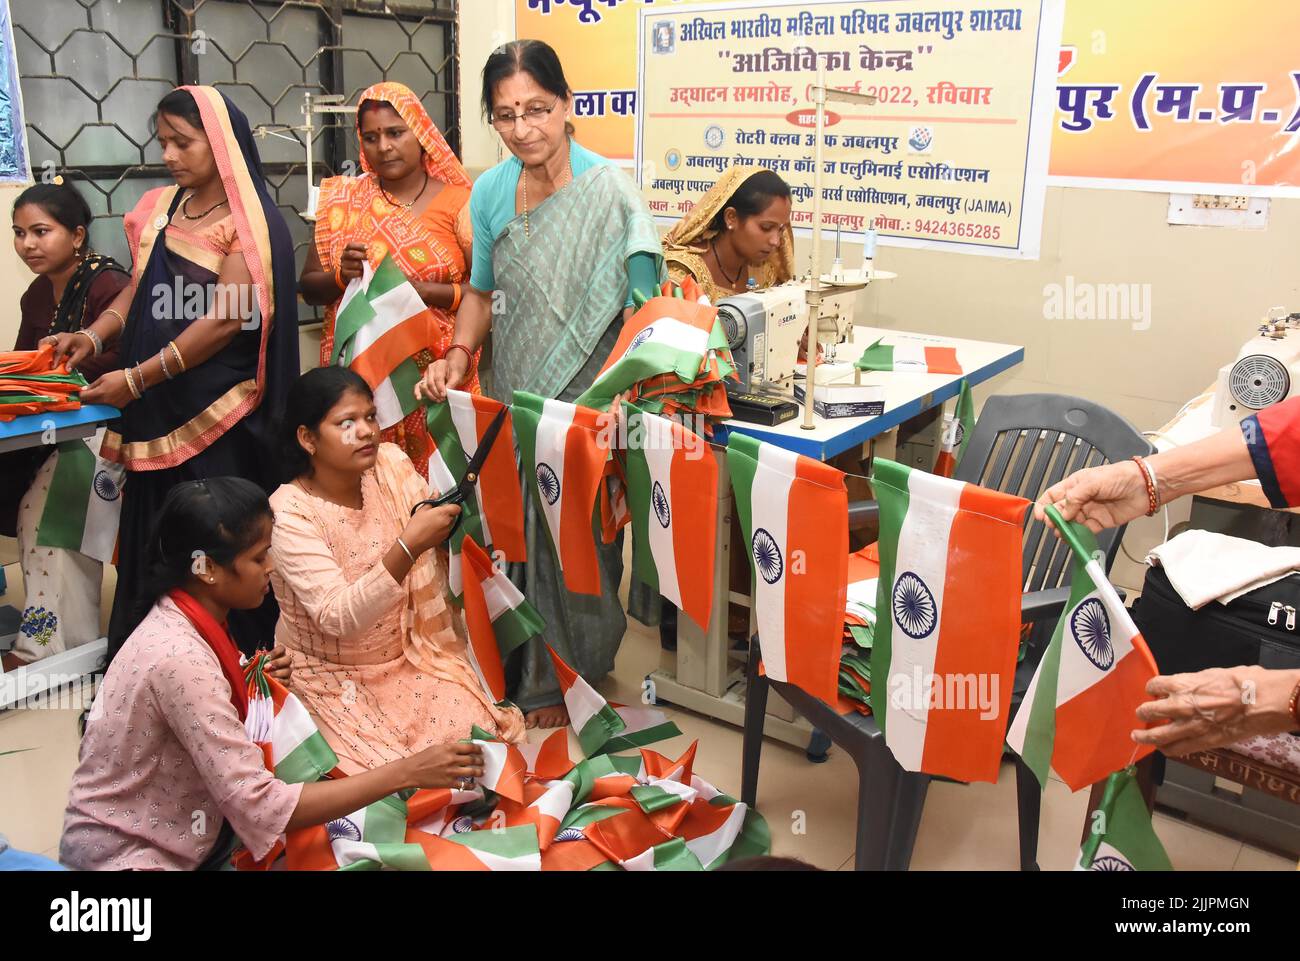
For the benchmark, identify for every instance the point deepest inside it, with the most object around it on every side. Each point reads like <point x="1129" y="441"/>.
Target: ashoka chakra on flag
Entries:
<point x="660" y="501"/>
<point x="548" y="483"/>
<point x="344" y="829"/>
<point x="105" y="487"/>
<point x="914" y="609"/>
<point x="1091" y="629"/>
<point x="767" y="556"/>
<point x="1109" y="863"/>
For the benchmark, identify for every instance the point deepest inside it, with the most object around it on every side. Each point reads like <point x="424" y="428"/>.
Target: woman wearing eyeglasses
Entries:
<point x="561" y="240"/>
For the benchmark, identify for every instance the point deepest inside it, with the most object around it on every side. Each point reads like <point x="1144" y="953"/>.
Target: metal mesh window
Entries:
<point x="92" y="71"/>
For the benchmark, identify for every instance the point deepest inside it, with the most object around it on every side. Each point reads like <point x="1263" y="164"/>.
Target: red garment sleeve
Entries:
<point x="1273" y="437"/>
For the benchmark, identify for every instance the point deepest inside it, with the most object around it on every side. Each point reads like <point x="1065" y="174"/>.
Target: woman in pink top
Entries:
<point x="167" y="775"/>
<point x="379" y="655"/>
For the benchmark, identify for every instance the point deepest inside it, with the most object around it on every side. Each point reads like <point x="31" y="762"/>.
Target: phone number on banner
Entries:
<point x="950" y="228"/>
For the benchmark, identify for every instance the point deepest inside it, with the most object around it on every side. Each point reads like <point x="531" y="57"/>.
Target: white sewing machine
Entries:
<point x="1266" y="371"/>
<point x="765" y="329"/>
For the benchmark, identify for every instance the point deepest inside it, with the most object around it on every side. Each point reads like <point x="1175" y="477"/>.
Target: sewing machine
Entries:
<point x="1266" y="371"/>
<point x="765" y="329"/>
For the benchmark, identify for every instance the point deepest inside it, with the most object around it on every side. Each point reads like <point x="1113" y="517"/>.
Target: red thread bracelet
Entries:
<point x="1153" y="500"/>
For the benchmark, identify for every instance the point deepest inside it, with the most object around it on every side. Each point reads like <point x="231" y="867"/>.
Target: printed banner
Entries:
<point x="1149" y="96"/>
<point x="1187" y="96"/>
<point x="953" y="155"/>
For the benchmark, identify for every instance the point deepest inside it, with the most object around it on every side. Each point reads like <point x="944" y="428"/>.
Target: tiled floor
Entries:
<point x="809" y="807"/>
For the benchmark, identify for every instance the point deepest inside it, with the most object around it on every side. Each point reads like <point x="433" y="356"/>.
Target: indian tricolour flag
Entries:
<point x="1080" y="707"/>
<point x="1122" y="838"/>
<point x="495" y="517"/>
<point x="545" y="807"/>
<point x="957" y="431"/>
<point x="667" y="335"/>
<point x="548" y="759"/>
<point x="590" y="716"/>
<point x="674" y="855"/>
<point x="371" y="839"/>
<point x="914" y="357"/>
<point x="380" y="325"/>
<point x="295" y="750"/>
<point x="564" y="448"/>
<point x="948" y="625"/>
<point x="672" y="484"/>
<point x="497" y="617"/>
<point x="643" y="725"/>
<point x="492" y="849"/>
<point x="794" y="516"/>
<point x="84" y="502"/>
<point x="503" y="766"/>
<point x="711" y="829"/>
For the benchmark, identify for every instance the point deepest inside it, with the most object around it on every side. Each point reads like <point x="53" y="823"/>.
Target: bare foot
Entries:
<point x="554" y="716"/>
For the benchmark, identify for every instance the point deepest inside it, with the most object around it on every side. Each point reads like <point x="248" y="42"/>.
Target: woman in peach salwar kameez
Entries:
<point x="378" y="654"/>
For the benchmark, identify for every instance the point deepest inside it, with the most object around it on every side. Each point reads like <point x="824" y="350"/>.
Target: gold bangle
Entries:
<point x="176" y="351"/>
<point x="120" y="319"/>
<point x="130" y="384"/>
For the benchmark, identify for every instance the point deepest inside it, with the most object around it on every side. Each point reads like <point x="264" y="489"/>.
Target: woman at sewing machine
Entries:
<point x="736" y="237"/>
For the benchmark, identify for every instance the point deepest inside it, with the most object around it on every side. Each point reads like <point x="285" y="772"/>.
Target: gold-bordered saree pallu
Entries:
<point x="216" y="418"/>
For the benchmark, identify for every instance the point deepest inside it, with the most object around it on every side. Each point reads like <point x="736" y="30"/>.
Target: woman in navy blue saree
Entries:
<point x="208" y="336"/>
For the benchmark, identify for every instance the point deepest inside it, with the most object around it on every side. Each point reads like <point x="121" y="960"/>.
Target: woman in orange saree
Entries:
<point x="412" y="204"/>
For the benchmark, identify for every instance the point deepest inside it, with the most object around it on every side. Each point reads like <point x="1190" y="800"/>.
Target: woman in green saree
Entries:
<point x="561" y="240"/>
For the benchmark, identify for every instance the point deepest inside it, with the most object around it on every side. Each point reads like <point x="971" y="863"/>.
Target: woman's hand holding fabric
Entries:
<point x="443" y="765"/>
<point x="429" y="527"/>
<point x="1216" y="707"/>
<point x="72" y="347"/>
<point x="279" y="664"/>
<point x="110" y="389"/>
<point x="352" y="261"/>
<point x="442" y="376"/>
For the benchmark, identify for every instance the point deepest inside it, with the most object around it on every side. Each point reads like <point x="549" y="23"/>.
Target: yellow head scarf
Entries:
<point x="689" y="240"/>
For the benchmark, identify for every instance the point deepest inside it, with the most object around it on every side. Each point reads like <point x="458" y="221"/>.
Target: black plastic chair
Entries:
<point x="1021" y="445"/>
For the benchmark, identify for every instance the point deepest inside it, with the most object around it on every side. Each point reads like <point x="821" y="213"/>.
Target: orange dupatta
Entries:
<point x="352" y="209"/>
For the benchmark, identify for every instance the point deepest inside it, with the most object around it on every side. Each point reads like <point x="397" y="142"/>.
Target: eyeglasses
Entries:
<point x="533" y="117"/>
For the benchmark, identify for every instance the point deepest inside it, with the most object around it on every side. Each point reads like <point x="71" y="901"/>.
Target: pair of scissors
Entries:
<point x="465" y="489"/>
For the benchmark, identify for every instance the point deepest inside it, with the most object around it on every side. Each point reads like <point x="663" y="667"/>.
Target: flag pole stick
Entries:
<point x="1092" y="563"/>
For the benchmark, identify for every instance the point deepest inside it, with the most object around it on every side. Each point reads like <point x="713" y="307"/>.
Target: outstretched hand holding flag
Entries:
<point x="1080" y="709"/>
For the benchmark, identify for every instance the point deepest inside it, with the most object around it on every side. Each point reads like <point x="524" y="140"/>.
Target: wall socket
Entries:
<point x="1220" y="202"/>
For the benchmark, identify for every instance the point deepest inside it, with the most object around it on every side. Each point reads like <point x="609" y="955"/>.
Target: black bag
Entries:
<point x="1262" y="627"/>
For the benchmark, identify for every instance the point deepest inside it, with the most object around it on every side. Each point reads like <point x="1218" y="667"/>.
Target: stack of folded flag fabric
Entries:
<point x="534" y="808"/>
<point x="859" y="630"/>
<point x="671" y="358"/>
<point x="30" y="385"/>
